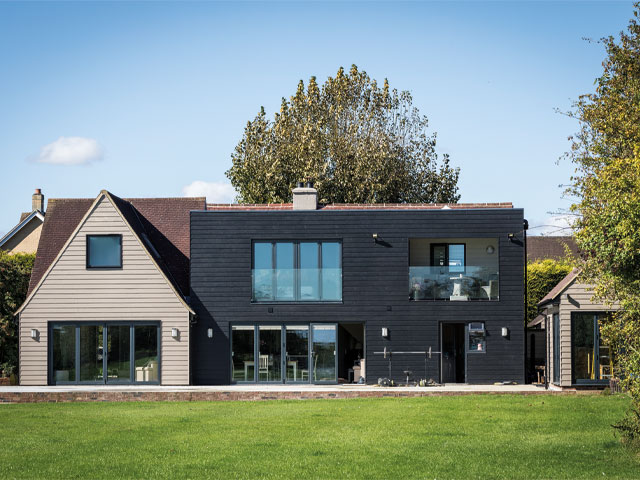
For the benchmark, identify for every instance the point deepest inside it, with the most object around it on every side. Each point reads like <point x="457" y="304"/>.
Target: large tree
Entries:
<point x="15" y="271"/>
<point x="357" y="141"/>
<point x="606" y="152"/>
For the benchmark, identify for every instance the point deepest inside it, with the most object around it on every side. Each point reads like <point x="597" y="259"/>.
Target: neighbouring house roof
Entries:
<point x="357" y="206"/>
<point x="559" y="288"/>
<point x="539" y="320"/>
<point x="25" y="219"/>
<point x="541" y="248"/>
<point x="162" y="224"/>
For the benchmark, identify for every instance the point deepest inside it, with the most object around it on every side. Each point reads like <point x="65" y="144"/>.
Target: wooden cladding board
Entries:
<point x="375" y="286"/>
<point x="136" y="292"/>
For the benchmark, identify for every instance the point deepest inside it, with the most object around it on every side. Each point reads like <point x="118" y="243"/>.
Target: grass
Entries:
<point x="438" y="437"/>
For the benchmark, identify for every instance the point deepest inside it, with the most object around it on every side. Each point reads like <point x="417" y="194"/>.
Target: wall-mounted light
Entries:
<point x="210" y="332"/>
<point x="511" y="236"/>
<point x="490" y="249"/>
<point x="385" y="332"/>
<point x="375" y="237"/>
<point x="175" y="333"/>
<point x="505" y="332"/>
<point x="34" y="333"/>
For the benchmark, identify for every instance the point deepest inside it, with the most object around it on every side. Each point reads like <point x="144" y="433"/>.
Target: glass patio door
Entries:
<point x="118" y="353"/>
<point x="297" y="353"/>
<point x="323" y="353"/>
<point x="270" y="353"/>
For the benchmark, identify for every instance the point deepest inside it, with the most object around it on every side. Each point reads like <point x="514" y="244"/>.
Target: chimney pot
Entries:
<point x="300" y="184"/>
<point x="37" y="201"/>
<point x="309" y="184"/>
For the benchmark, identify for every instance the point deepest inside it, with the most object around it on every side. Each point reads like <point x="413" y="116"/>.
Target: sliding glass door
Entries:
<point x="297" y="353"/>
<point x="591" y="359"/>
<point x="323" y="353"/>
<point x="270" y="353"/>
<point x="99" y="353"/>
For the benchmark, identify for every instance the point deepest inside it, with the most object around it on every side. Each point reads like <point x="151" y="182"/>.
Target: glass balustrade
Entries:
<point x="441" y="283"/>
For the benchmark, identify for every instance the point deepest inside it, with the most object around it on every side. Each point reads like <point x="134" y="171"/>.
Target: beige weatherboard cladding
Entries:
<point x="136" y="292"/>
<point x="577" y="297"/>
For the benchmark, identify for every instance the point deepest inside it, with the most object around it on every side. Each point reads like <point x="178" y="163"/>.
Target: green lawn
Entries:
<point x="438" y="437"/>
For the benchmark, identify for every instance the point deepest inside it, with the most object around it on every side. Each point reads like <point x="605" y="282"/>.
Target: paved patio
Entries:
<point x="81" y="393"/>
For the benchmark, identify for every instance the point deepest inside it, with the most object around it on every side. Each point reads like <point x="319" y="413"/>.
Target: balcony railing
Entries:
<point x="440" y="283"/>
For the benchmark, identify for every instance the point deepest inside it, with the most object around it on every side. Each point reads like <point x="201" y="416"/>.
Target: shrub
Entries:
<point x="542" y="276"/>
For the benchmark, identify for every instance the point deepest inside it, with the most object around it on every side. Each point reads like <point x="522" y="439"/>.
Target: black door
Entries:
<point x="453" y="353"/>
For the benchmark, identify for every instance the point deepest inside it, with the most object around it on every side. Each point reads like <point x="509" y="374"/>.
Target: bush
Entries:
<point x="542" y="276"/>
<point x="15" y="271"/>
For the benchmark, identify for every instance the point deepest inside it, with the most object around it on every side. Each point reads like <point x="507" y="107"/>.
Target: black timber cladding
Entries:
<point x="375" y="277"/>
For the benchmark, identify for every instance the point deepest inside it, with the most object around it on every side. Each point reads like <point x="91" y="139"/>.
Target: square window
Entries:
<point x="104" y="251"/>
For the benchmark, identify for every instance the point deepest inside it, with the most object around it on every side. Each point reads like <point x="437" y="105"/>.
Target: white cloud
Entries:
<point x="554" y="225"/>
<point x="216" y="192"/>
<point x="70" y="151"/>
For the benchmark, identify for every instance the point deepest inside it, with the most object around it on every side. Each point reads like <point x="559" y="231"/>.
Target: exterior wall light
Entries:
<point x="175" y="333"/>
<point x="490" y="249"/>
<point x="210" y="332"/>
<point x="34" y="333"/>
<point x="505" y="332"/>
<point x="385" y="332"/>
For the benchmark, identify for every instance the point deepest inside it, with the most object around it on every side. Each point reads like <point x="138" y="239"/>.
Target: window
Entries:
<point x="591" y="358"/>
<point x="107" y="352"/>
<point x="477" y="337"/>
<point x="451" y="255"/>
<point x="301" y="271"/>
<point x="104" y="251"/>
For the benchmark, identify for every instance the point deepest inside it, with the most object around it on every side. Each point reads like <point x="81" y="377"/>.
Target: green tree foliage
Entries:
<point x="542" y="276"/>
<point x="606" y="152"/>
<point x="15" y="271"/>
<point x="357" y="141"/>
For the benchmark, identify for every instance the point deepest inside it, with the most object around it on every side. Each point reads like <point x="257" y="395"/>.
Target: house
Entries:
<point x="108" y="298"/>
<point x="576" y="355"/>
<point x="24" y="237"/>
<point x="311" y="293"/>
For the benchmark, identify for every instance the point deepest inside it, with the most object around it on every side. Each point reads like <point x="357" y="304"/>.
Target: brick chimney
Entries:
<point x="305" y="197"/>
<point x="37" y="201"/>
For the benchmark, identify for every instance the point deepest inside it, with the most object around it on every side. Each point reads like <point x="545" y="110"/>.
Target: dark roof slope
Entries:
<point x="164" y="222"/>
<point x="560" y="287"/>
<point x="357" y="206"/>
<point x="541" y="248"/>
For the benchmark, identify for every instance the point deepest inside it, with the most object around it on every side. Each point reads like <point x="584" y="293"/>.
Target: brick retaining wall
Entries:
<point x="141" y="396"/>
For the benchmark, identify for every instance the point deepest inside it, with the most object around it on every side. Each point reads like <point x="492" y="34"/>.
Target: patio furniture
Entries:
<point x="263" y="366"/>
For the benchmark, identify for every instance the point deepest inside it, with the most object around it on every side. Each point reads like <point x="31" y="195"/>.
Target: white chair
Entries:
<point x="263" y="366"/>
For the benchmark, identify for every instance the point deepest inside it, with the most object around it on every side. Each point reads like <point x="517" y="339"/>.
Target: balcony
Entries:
<point x="438" y="283"/>
<point x="454" y="269"/>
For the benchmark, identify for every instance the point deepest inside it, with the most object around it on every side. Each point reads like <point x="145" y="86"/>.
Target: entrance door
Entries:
<point x="323" y="353"/>
<point x="453" y="353"/>
<point x="297" y="353"/>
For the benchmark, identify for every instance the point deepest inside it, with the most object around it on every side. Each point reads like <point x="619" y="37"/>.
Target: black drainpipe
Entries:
<point x="525" y="225"/>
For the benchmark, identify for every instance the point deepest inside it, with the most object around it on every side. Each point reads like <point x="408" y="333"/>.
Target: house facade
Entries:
<point x="106" y="301"/>
<point x="576" y="354"/>
<point x="308" y="293"/>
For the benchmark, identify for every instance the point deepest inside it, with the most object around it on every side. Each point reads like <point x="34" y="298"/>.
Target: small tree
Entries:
<point x="15" y="271"/>
<point x="542" y="276"/>
<point x="357" y="141"/>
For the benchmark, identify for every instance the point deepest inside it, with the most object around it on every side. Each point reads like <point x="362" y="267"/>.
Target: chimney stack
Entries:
<point x="37" y="201"/>
<point x="305" y="197"/>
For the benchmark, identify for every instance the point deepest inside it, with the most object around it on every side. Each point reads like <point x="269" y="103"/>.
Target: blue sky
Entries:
<point x="156" y="95"/>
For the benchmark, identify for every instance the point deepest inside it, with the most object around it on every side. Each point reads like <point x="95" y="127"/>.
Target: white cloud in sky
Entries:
<point x="554" y="225"/>
<point x="216" y="192"/>
<point x="70" y="151"/>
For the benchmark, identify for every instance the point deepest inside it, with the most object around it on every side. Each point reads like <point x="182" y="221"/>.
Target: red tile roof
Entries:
<point x="356" y="206"/>
<point x="165" y="222"/>
<point x="541" y="248"/>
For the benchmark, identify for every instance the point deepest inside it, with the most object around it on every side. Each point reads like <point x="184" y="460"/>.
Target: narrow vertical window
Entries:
<point x="331" y="271"/>
<point x="262" y="271"/>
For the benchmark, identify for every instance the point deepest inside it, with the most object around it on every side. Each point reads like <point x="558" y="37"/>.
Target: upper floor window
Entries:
<point x="290" y="271"/>
<point x="453" y="269"/>
<point x="104" y="251"/>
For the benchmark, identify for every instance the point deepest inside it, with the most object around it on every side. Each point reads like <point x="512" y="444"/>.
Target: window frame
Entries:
<point x="88" y="251"/>
<point x="484" y="336"/>
<point x="296" y="268"/>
